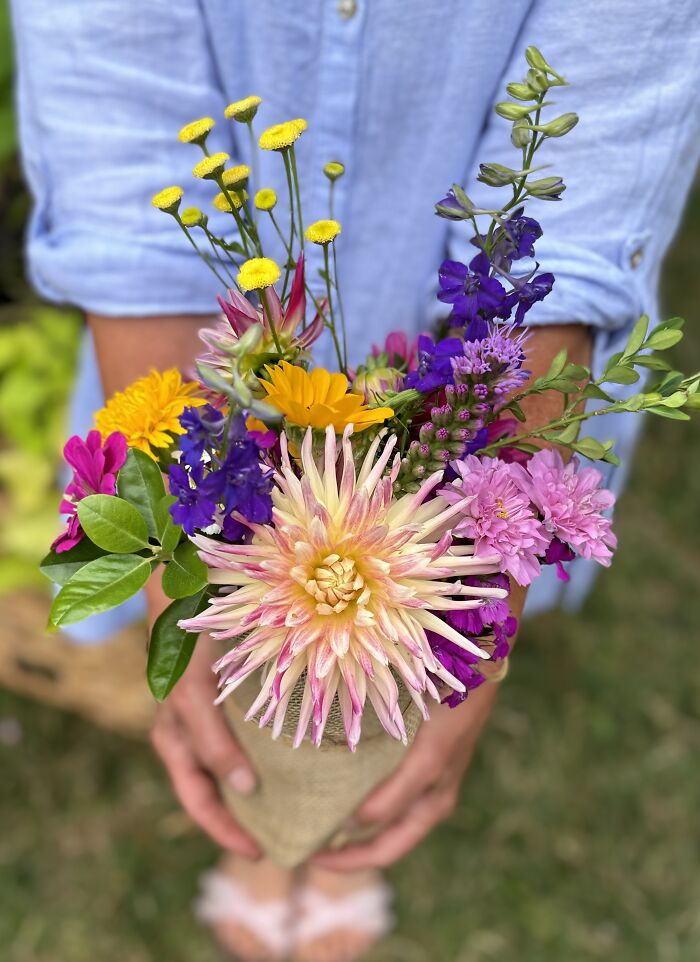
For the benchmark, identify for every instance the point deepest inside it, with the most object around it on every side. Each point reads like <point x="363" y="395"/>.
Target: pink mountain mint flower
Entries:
<point x="571" y="502"/>
<point x="95" y="466"/>
<point x="338" y="593"/>
<point x="497" y="516"/>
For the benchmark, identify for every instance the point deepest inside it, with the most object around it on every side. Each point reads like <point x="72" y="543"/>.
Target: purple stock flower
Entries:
<point x="515" y="239"/>
<point x="193" y="509"/>
<point x="472" y="621"/>
<point x="476" y="297"/>
<point x="204" y="427"/>
<point x="95" y="466"/>
<point x="241" y="483"/>
<point x="459" y="663"/>
<point x="434" y="368"/>
<point x="526" y="294"/>
<point x="556" y="554"/>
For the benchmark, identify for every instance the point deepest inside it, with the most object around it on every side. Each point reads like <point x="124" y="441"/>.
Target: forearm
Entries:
<point x="128" y="347"/>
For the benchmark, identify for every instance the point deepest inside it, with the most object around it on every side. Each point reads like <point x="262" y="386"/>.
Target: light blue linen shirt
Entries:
<point x="401" y="91"/>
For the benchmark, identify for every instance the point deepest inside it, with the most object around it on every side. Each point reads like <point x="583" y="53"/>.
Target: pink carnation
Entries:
<point x="398" y="349"/>
<point x="571" y="503"/>
<point x="95" y="467"/>
<point x="499" y="518"/>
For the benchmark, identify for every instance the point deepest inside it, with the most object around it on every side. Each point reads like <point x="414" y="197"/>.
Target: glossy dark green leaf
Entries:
<point x="60" y="568"/>
<point x="168" y="534"/>
<point x="140" y="482"/>
<point x="170" y="647"/>
<point x="98" y="586"/>
<point x="185" y="575"/>
<point x="112" y="523"/>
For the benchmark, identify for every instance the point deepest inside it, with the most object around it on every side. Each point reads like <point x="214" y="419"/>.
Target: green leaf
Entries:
<point x="140" y="482"/>
<point x="60" y="568"/>
<point x="673" y="413"/>
<point x="170" y="647"/>
<point x="185" y="575"/>
<point x="112" y="523"/>
<point x="593" y="392"/>
<point x="611" y="458"/>
<point x="653" y="362"/>
<point x="568" y="434"/>
<point x="515" y="408"/>
<point x="564" y="385"/>
<point x="168" y="534"/>
<point x="557" y="365"/>
<point x="98" y="586"/>
<point x="590" y="448"/>
<point x="576" y="372"/>
<point x="612" y="361"/>
<point x="670" y="383"/>
<point x="621" y="375"/>
<point x="636" y="338"/>
<point x="693" y="401"/>
<point x="663" y="338"/>
<point x="675" y="400"/>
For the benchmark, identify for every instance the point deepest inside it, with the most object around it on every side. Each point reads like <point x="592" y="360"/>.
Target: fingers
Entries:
<point x="196" y="791"/>
<point x="397" y="840"/>
<point x="209" y="734"/>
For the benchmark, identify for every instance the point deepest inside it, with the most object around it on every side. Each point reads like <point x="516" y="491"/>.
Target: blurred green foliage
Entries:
<point x="38" y="347"/>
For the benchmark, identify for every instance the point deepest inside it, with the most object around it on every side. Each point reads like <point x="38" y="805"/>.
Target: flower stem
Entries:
<point x="331" y="323"/>
<point x="202" y="254"/>
<point x="295" y="177"/>
<point x="340" y="306"/>
<point x="268" y="313"/>
<point x="292" y="224"/>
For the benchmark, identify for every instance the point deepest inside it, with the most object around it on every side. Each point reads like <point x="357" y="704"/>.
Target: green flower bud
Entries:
<point x="193" y="217"/>
<point x="535" y="59"/>
<point x="512" y="111"/>
<point x="521" y="134"/>
<point x="559" y="126"/>
<point x="521" y="91"/>
<point x="538" y="80"/>
<point x="548" y="188"/>
<point x="334" y="169"/>
<point x="496" y="175"/>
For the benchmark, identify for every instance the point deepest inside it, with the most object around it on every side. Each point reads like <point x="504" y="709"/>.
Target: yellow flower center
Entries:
<point x="334" y="584"/>
<point x="501" y="513"/>
<point x="282" y="136"/>
<point x="168" y="199"/>
<point x="243" y="110"/>
<point x="211" y="166"/>
<point x="322" y="231"/>
<point x="196" y="131"/>
<point x="257" y="273"/>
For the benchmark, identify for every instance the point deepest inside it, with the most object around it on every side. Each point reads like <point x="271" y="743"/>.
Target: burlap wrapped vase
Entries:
<point x="306" y="794"/>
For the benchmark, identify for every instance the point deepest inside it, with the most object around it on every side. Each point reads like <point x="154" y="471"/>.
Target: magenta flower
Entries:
<point x="402" y="353"/>
<point x="95" y="466"/>
<point x="571" y="503"/>
<point x="499" y="517"/>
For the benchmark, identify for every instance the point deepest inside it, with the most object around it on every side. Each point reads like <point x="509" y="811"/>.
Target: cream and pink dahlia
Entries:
<point x="338" y="593"/>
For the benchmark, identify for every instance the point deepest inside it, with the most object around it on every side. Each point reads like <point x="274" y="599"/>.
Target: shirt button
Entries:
<point x="636" y="257"/>
<point x="347" y="8"/>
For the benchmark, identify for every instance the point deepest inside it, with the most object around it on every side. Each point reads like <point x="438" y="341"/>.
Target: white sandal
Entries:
<point x="223" y="899"/>
<point x="366" y="911"/>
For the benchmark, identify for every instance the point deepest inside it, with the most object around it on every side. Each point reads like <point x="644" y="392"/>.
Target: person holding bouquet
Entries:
<point x="402" y="92"/>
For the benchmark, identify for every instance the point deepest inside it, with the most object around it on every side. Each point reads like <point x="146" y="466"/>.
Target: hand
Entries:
<point x="196" y="746"/>
<point x="425" y="788"/>
<point x="423" y="791"/>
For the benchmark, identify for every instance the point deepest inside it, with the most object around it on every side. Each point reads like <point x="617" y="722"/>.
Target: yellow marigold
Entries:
<point x="282" y="136"/>
<point x="147" y="412"/>
<point x="318" y="399"/>
<point x="236" y="176"/>
<point x="265" y="199"/>
<point x="334" y="169"/>
<point x="211" y="167"/>
<point x="257" y="273"/>
<point x="168" y="199"/>
<point x="196" y="132"/>
<point x="221" y="201"/>
<point x="193" y="217"/>
<point x="322" y="231"/>
<point x="243" y="110"/>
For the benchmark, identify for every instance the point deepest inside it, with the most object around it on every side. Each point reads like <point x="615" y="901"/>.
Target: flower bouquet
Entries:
<point x="350" y="537"/>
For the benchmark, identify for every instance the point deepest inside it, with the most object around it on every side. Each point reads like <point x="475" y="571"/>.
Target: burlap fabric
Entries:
<point x="307" y="794"/>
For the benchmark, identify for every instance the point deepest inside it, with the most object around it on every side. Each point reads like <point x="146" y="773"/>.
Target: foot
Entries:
<point x="248" y="906"/>
<point x="339" y="916"/>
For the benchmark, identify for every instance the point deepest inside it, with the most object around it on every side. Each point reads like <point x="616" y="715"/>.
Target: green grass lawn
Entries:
<point x="577" y="835"/>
